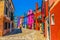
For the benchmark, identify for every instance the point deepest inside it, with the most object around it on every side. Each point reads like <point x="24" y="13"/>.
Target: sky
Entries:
<point x="23" y="6"/>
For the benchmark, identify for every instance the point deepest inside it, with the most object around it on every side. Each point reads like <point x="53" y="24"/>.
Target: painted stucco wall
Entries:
<point x="30" y="18"/>
<point x="51" y="2"/>
<point x="1" y="17"/>
<point x="55" y="29"/>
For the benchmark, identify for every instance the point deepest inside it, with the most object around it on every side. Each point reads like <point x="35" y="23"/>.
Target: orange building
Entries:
<point x="47" y="27"/>
<point x="37" y="14"/>
<point x="55" y="20"/>
<point x="6" y="16"/>
<point x="52" y="13"/>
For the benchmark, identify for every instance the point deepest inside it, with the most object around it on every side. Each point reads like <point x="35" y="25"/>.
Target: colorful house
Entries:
<point x="43" y="16"/>
<point x="37" y="14"/>
<point x="25" y="21"/>
<point x="46" y="21"/>
<point x="54" y="20"/>
<point x="52" y="24"/>
<point x="15" y="22"/>
<point x="20" y="22"/>
<point x="6" y="16"/>
<point x="30" y="19"/>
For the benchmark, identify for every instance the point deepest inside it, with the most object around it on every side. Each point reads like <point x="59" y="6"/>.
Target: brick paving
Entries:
<point x="25" y="35"/>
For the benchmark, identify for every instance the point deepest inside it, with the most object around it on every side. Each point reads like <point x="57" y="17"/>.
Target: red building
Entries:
<point x="55" y="21"/>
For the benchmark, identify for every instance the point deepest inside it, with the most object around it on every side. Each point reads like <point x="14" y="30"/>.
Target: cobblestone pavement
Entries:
<point x="26" y="34"/>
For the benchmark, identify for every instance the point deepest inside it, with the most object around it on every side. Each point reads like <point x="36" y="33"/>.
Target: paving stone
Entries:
<point x="26" y="34"/>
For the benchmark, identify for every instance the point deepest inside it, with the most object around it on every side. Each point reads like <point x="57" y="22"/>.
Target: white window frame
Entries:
<point x="52" y="21"/>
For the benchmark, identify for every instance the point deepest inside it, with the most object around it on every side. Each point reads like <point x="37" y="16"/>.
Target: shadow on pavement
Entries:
<point x="15" y="31"/>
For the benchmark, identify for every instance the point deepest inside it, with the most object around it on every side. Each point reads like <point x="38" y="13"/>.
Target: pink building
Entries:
<point x="30" y="19"/>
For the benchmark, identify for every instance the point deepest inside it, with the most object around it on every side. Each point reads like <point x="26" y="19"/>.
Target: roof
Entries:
<point x="54" y="4"/>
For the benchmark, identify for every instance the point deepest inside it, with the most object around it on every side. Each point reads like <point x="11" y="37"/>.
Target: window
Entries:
<point x="39" y="19"/>
<point x="6" y="0"/>
<point x="1" y="0"/>
<point x="11" y="16"/>
<point x="52" y="20"/>
<point x="12" y="25"/>
<point x="9" y="4"/>
<point x="5" y="25"/>
<point x="6" y="11"/>
<point x="9" y="25"/>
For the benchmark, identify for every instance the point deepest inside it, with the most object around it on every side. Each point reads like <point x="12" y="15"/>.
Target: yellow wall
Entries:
<point x="1" y="17"/>
<point x="1" y="8"/>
